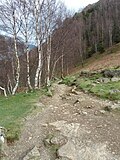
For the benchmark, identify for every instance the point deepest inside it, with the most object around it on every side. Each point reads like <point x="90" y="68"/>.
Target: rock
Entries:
<point x="44" y="125"/>
<point x="47" y="142"/>
<point x="68" y="150"/>
<point x="100" y="126"/>
<point x="63" y="97"/>
<point x="96" y="113"/>
<point x="115" y="106"/>
<point x="84" y="113"/>
<point x="112" y="107"/>
<point x="2" y="143"/>
<point x="34" y="154"/>
<point x="40" y="104"/>
<point x="111" y="73"/>
<point x="62" y="158"/>
<point x="79" y="146"/>
<point x="115" y="79"/>
<point x="77" y="101"/>
<point x="103" y="80"/>
<point x="73" y="90"/>
<point x="84" y="73"/>
<point x="87" y="73"/>
<point x="114" y="91"/>
<point x="102" y="111"/>
<point x="89" y="107"/>
<point x="58" y="140"/>
<point x="106" y="80"/>
<point x="85" y="152"/>
<point x="69" y="94"/>
<point x="108" y="108"/>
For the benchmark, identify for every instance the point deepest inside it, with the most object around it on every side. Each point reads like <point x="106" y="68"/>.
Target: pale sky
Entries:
<point x="77" y="4"/>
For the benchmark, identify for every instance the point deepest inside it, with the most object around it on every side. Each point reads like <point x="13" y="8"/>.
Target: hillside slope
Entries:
<point x="93" y="30"/>
<point x="109" y="59"/>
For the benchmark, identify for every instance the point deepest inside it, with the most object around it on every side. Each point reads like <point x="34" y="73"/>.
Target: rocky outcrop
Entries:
<point x="78" y="146"/>
<point x="111" y="73"/>
<point x="33" y="154"/>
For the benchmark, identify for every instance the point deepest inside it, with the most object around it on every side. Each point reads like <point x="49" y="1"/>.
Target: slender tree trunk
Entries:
<point x="28" y="70"/>
<point x="110" y="36"/>
<point x="38" y="30"/>
<point x="62" y="65"/>
<point x="9" y="85"/>
<point x="39" y="68"/>
<point x="18" y="66"/>
<point x="54" y="66"/>
<point x="4" y="90"/>
<point x="27" y="57"/>
<point x="48" y="60"/>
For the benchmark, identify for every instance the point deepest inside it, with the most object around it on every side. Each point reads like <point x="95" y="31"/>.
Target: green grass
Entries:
<point x="103" y="90"/>
<point x="13" y="109"/>
<point x="69" y="80"/>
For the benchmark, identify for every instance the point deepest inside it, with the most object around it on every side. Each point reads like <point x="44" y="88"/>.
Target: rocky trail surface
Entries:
<point x="70" y="125"/>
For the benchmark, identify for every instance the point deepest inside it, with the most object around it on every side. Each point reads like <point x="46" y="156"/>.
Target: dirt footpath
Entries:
<point x="70" y="125"/>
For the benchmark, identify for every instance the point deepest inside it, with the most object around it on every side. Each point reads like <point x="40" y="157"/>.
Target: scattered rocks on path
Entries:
<point x="78" y="146"/>
<point x="34" y="154"/>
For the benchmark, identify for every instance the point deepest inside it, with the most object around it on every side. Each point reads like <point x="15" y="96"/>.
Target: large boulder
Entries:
<point x="115" y="79"/>
<point x="111" y="73"/>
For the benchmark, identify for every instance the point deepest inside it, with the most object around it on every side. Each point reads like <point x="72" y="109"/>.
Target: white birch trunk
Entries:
<point x="4" y="90"/>
<point x="38" y="71"/>
<point x="16" y="55"/>
<point x="62" y="65"/>
<point x="27" y="57"/>
<point x="39" y="45"/>
<point x="18" y="66"/>
<point x="28" y="70"/>
<point x="48" y="60"/>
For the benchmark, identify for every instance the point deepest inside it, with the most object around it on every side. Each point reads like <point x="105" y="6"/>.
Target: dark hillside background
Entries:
<point x="91" y="31"/>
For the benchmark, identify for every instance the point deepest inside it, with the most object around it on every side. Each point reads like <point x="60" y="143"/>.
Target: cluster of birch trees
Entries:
<point x="30" y="21"/>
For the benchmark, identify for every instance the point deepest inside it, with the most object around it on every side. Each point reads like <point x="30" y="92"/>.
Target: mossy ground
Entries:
<point x="89" y="84"/>
<point x="14" y="108"/>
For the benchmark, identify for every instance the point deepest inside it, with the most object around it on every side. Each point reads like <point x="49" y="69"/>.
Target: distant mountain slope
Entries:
<point x="91" y="31"/>
<point x="109" y="59"/>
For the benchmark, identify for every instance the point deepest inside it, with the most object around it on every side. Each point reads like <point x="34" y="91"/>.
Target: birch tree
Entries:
<point x="26" y="31"/>
<point x="4" y="90"/>
<point x="9" y="18"/>
<point x="50" y="25"/>
<point x="38" y="24"/>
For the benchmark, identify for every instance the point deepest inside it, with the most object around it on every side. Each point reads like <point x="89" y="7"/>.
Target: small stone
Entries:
<point x="102" y="111"/>
<point x="115" y="79"/>
<point x="58" y="140"/>
<point x="100" y="126"/>
<point x="114" y="91"/>
<point x="84" y="113"/>
<point x="47" y="142"/>
<point x="45" y="125"/>
<point x="89" y="107"/>
<point x="96" y="113"/>
<point x="30" y="138"/>
<point x="115" y="106"/>
<point x="77" y="101"/>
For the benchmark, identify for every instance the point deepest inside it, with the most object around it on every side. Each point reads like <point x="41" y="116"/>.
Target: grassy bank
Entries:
<point x="13" y="109"/>
<point x="88" y="84"/>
